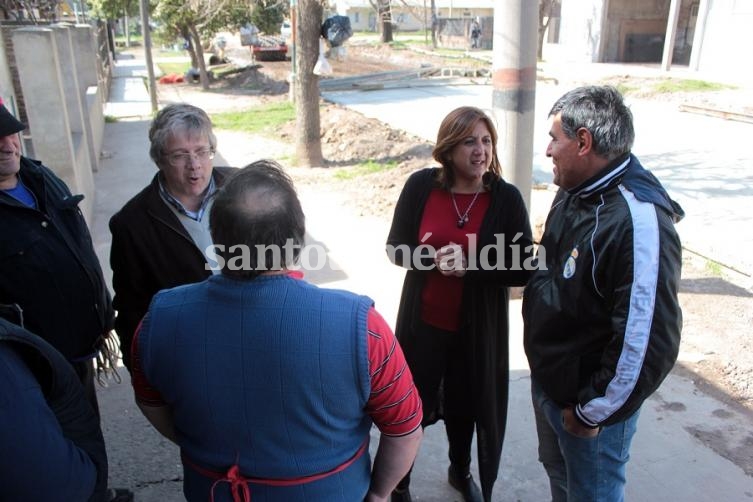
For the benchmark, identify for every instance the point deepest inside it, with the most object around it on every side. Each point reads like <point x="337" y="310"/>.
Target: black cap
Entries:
<point x="8" y="123"/>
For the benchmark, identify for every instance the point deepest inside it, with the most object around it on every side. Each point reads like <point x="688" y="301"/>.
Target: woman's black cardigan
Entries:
<point x="484" y="311"/>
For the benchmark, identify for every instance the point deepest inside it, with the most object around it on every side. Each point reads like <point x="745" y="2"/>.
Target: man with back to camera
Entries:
<point x="602" y="320"/>
<point x="278" y="381"/>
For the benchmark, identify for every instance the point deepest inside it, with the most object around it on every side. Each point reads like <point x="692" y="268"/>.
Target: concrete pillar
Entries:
<point x="669" y="38"/>
<point x="514" y="89"/>
<point x="78" y="120"/>
<point x="41" y="78"/>
<point x="75" y="93"/>
<point x="86" y="50"/>
<point x="699" y="35"/>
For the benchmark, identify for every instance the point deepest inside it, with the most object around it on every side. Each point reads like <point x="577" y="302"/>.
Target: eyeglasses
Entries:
<point x="184" y="159"/>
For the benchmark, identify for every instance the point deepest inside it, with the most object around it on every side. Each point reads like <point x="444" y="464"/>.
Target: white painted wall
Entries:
<point x="727" y="48"/>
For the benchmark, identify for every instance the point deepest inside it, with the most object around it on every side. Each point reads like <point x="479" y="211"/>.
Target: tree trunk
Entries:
<point x="191" y="51"/>
<point x="540" y="48"/>
<point x="434" y="24"/>
<point x="203" y="77"/>
<point x="386" y="19"/>
<point x="545" y="15"/>
<point x="308" y="147"/>
<point x="127" y="30"/>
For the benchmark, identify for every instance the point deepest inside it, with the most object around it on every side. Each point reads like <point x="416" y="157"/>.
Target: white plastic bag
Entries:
<point x="322" y="66"/>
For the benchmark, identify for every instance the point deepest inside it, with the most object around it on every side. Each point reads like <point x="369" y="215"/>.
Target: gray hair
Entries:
<point x="174" y="119"/>
<point x="602" y="111"/>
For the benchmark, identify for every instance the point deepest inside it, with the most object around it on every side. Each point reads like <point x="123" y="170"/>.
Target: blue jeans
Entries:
<point x="581" y="469"/>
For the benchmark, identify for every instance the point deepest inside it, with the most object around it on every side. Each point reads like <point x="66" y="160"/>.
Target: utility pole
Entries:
<point x="147" y="37"/>
<point x="514" y="89"/>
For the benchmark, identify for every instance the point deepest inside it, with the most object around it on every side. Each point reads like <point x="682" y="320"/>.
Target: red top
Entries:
<point x="394" y="404"/>
<point x="442" y="296"/>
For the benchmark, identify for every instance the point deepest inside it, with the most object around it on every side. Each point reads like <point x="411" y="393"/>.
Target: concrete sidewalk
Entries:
<point x="685" y="437"/>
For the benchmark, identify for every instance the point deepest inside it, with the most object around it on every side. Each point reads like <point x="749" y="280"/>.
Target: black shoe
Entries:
<point x="400" y="496"/>
<point x="119" y="495"/>
<point x="465" y="484"/>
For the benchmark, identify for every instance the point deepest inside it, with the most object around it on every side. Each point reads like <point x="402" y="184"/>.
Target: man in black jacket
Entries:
<point x="602" y="320"/>
<point x="161" y="236"/>
<point x="47" y="261"/>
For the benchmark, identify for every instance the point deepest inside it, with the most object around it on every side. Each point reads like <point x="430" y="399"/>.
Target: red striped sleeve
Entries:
<point x="394" y="404"/>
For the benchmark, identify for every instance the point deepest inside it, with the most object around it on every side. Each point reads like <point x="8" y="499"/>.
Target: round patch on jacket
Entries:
<point x="569" y="269"/>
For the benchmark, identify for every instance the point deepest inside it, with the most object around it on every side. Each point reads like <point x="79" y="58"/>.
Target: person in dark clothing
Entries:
<point x="160" y="237"/>
<point x="463" y="234"/>
<point x="602" y="317"/>
<point x="48" y="425"/>
<point x="475" y="34"/>
<point x="47" y="261"/>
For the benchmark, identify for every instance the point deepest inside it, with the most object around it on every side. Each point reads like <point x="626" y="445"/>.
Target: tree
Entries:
<point x="546" y="9"/>
<point x="32" y="10"/>
<point x="308" y="146"/>
<point x="434" y="24"/>
<point x="268" y="15"/>
<point x="201" y="19"/>
<point x="384" y="14"/>
<point x="116" y="9"/>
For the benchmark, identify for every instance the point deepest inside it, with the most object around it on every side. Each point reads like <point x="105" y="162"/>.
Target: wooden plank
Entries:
<point x="717" y="112"/>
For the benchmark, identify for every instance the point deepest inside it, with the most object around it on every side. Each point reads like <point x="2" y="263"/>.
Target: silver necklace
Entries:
<point x="463" y="219"/>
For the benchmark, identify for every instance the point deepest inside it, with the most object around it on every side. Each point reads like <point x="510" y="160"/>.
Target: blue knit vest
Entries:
<point x="271" y="374"/>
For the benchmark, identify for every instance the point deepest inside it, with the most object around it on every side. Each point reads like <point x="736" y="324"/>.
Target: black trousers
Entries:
<point x="440" y="363"/>
<point x="85" y="372"/>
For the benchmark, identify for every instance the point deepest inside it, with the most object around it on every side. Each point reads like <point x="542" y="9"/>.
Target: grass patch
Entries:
<point x="625" y="89"/>
<point x="109" y="119"/>
<point x="689" y="85"/>
<point x="170" y="68"/>
<point x="261" y="119"/>
<point x="364" y="169"/>
<point x="714" y="268"/>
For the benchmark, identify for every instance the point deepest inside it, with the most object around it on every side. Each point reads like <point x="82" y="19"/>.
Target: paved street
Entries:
<point x="708" y="169"/>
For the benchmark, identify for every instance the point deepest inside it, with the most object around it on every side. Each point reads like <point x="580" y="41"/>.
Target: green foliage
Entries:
<point x="364" y="169"/>
<point x="261" y="119"/>
<point x="208" y="17"/>
<point x="113" y="9"/>
<point x="267" y="15"/>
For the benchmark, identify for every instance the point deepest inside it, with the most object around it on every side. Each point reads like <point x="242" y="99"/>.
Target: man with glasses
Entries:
<point x="160" y="238"/>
